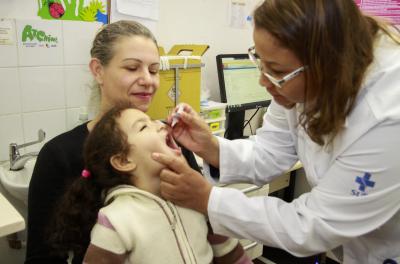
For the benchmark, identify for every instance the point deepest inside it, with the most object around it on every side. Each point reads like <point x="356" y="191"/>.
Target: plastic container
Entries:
<point x="216" y="124"/>
<point x="214" y="115"/>
<point x="213" y="110"/>
<point x="219" y="133"/>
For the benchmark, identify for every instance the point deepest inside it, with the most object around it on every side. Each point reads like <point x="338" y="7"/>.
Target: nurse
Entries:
<point x="333" y="73"/>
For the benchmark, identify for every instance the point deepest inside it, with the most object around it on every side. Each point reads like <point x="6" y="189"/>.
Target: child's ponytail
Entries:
<point x="75" y="215"/>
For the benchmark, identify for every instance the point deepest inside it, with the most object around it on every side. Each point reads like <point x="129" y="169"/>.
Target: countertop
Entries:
<point x="10" y="220"/>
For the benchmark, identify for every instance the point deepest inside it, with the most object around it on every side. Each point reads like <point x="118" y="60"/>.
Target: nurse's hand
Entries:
<point x="194" y="133"/>
<point x="182" y="185"/>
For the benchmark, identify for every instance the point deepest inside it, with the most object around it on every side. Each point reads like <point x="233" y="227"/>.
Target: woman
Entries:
<point x="125" y="65"/>
<point x="334" y="77"/>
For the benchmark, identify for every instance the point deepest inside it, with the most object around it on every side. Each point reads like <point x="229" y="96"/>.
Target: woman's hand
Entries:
<point x="194" y="133"/>
<point x="182" y="185"/>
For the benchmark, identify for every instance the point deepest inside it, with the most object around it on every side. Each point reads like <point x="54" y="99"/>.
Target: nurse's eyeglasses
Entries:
<point x="278" y="83"/>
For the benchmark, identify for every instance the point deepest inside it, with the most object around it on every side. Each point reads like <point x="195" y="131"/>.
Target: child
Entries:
<point x="135" y="225"/>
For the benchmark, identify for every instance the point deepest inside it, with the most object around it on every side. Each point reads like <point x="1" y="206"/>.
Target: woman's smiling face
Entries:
<point x="132" y="74"/>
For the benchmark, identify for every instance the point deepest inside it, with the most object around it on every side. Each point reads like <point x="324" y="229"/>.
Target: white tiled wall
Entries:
<point x="9" y="52"/>
<point x="10" y="100"/>
<point x="77" y="94"/>
<point x="43" y="87"/>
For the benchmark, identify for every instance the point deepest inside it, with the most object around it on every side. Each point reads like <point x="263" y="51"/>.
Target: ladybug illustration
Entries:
<point x="56" y="10"/>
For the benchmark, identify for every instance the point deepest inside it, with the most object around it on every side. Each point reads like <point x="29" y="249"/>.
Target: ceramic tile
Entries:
<point x="10" y="132"/>
<point x="52" y="122"/>
<point x="42" y="88"/>
<point x="18" y="8"/>
<point x="78" y="38"/>
<point x="72" y="117"/>
<point x="8" y="48"/>
<point x="78" y="80"/>
<point x="10" y="99"/>
<point x="40" y="42"/>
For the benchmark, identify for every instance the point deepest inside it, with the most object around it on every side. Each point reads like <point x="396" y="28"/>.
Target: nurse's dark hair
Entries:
<point x="76" y="212"/>
<point x="336" y="41"/>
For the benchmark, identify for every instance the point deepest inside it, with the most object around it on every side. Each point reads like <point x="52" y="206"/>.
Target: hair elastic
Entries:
<point x="85" y="173"/>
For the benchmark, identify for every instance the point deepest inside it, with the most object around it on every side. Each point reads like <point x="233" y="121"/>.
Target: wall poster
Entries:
<point x="6" y="32"/>
<point x="388" y="9"/>
<point x="82" y="10"/>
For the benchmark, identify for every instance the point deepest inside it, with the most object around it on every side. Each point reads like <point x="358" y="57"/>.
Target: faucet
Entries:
<point x="17" y="162"/>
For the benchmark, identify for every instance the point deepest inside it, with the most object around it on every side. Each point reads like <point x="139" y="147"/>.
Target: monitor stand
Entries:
<point x="235" y="125"/>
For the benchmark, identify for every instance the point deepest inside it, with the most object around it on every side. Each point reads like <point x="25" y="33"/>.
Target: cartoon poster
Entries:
<point x="82" y="10"/>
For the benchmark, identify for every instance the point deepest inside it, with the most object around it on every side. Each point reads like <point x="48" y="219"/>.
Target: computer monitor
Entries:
<point x="239" y="86"/>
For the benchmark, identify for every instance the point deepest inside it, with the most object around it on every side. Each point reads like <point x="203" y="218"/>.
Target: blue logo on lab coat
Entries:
<point x="363" y="182"/>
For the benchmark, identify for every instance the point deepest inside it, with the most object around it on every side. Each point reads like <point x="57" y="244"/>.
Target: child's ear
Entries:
<point x="121" y="163"/>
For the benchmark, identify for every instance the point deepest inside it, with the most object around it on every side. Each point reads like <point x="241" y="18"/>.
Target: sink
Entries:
<point x="16" y="183"/>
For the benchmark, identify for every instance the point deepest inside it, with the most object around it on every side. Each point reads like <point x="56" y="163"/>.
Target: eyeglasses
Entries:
<point x="254" y="58"/>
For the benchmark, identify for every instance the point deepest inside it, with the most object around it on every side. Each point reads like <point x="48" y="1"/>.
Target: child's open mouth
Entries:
<point x="171" y="142"/>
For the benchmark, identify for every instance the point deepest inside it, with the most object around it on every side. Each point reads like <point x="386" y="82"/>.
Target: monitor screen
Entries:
<point x="239" y="83"/>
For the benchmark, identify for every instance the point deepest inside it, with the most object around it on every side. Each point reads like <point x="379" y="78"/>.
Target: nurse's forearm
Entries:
<point x="210" y="153"/>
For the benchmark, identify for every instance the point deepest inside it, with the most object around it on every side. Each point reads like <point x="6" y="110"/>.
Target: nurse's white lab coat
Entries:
<point x="355" y="196"/>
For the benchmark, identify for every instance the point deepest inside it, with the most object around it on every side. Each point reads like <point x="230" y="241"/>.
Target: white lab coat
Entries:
<point x="355" y="196"/>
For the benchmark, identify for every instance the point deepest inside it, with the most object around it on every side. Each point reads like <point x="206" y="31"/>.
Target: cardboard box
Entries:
<point x="180" y="80"/>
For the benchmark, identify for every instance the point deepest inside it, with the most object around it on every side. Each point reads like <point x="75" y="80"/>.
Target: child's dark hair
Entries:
<point x="76" y="213"/>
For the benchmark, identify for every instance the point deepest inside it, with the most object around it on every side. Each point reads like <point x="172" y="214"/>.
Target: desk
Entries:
<point x="10" y="220"/>
<point x="285" y="184"/>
